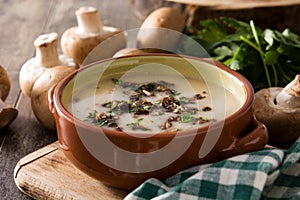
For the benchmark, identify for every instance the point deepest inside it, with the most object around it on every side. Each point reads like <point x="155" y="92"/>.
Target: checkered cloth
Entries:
<point x="267" y="174"/>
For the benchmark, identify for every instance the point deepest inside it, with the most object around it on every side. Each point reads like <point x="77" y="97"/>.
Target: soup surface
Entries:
<point x="156" y="104"/>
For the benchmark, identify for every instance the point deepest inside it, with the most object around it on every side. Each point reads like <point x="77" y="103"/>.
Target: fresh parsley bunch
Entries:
<point x="267" y="58"/>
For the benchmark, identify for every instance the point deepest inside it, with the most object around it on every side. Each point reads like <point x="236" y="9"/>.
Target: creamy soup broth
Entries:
<point x="216" y="103"/>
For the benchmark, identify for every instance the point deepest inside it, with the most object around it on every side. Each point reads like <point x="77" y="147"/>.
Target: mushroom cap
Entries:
<point x="32" y="69"/>
<point x="39" y="94"/>
<point x="7" y="113"/>
<point x="282" y="123"/>
<point x="29" y="73"/>
<point x="161" y="29"/>
<point x="4" y="83"/>
<point x="78" y="46"/>
<point x="7" y="116"/>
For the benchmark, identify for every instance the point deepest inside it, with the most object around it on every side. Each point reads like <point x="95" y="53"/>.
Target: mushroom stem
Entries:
<point x="289" y="97"/>
<point x="88" y="20"/>
<point x="46" y="50"/>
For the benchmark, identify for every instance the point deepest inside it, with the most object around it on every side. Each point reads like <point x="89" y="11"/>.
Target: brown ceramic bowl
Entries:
<point x="125" y="159"/>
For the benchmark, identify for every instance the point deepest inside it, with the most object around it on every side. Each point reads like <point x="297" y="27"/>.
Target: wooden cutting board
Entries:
<point x="47" y="174"/>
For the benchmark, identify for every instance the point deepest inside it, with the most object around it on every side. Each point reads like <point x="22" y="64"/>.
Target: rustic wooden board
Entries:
<point x="47" y="174"/>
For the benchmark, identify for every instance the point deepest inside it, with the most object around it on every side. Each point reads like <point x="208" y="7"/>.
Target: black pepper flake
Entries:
<point x="199" y="96"/>
<point x="206" y="108"/>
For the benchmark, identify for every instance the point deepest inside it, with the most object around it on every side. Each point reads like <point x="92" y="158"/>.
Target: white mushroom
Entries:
<point x="161" y="29"/>
<point x="42" y="72"/>
<point x="7" y="113"/>
<point x="279" y="109"/>
<point x="77" y="42"/>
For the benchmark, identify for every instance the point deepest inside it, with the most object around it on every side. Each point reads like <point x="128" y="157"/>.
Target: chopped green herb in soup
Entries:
<point x="151" y="106"/>
<point x="153" y="99"/>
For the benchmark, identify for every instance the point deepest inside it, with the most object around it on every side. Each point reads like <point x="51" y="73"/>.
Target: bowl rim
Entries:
<point x="62" y="111"/>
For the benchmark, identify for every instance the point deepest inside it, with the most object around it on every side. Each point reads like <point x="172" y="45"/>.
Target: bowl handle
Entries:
<point x="50" y="100"/>
<point x="255" y="139"/>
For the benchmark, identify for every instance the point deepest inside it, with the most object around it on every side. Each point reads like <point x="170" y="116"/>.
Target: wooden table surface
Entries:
<point x="21" y="23"/>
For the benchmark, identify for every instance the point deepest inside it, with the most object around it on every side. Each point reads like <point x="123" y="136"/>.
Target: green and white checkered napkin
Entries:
<point x="267" y="174"/>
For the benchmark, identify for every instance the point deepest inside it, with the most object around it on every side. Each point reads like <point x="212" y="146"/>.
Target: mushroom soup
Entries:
<point x="152" y="104"/>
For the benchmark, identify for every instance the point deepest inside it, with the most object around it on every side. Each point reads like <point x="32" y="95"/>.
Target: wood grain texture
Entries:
<point x="47" y="174"/>
<point x="21" y="22"/>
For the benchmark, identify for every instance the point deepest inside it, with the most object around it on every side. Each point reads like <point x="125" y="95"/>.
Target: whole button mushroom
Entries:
<point x="7" y="112"/>
<point x="279" y="109"/>
<point x="42" y="72"/>
<point x="78" y="42"/>
<point x="161" y="30"/>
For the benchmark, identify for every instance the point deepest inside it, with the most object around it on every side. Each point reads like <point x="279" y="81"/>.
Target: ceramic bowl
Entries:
<point x="125" y="159"/>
